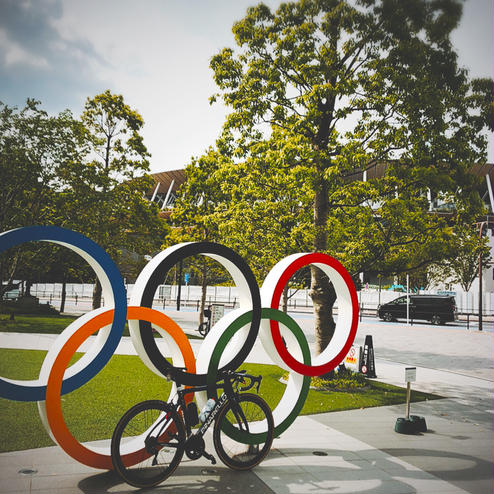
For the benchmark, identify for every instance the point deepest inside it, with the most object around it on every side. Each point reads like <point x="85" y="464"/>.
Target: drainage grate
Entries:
<point x="27" y="471"/>
<point x="320" y="453"/>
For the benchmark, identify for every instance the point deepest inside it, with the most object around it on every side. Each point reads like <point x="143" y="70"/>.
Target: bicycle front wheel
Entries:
<point x="148" y="443"/>
<point x="243" y="432"/>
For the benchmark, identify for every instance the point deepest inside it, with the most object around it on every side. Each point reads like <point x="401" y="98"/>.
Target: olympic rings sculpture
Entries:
<point x="226" y="346"/>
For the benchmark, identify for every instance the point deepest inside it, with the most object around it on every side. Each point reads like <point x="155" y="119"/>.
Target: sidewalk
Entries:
<point x="343" y="452"/>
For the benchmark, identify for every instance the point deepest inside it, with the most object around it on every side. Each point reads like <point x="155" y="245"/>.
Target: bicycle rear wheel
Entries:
<point x="148" y="443"/>
<point x="203" y="329"/>
<point x="242" y="440"/>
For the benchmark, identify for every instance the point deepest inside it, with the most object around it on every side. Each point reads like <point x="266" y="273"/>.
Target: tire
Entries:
<point x="203" y="329"/>
<point x="388" y="317"/>
<point x="436" y="320"/>
<point x="237" y="453"/>
<point x="132" y="427"/>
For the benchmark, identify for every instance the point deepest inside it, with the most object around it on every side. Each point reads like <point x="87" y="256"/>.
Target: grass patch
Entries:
<point x="92" y="411"/>
<point x="48" y="325"/>
<point x="34" y="324"/>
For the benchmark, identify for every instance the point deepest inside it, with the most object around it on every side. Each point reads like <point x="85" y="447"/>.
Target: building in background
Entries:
<point x="167" y="184"/>
<point x="164" y="192"/>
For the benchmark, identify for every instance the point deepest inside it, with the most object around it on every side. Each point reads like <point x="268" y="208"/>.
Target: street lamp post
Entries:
<point x="480" y="276"/>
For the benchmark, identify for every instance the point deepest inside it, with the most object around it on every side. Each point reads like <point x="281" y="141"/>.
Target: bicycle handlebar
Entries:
<point x="236" y="376"/>
<point x="242" y="375"/>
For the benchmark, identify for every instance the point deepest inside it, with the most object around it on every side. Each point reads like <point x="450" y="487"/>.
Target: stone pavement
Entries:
<point x="342" y="452"/>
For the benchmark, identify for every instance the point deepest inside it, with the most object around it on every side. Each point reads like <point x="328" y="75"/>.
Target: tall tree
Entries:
<point x="103" y="194"/>
<point x="321" y="92"/>
<point x="33" y="148"/>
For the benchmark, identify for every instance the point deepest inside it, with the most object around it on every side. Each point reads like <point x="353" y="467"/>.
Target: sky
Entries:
<point x="156" y="54"/>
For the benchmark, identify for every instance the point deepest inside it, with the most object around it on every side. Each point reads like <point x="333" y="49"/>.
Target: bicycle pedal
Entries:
<point x="209" y="457"/>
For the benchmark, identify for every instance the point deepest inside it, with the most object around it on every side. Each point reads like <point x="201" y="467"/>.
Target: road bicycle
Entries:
<point x="158" y="433"/>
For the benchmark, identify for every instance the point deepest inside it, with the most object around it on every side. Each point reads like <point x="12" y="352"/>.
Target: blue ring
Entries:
<point x="18" y="236"/>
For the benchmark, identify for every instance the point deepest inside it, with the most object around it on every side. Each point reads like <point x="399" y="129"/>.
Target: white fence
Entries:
<point x="369" y="299"/>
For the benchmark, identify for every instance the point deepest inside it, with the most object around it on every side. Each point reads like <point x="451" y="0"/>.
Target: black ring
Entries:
<point x="157" y="277"/>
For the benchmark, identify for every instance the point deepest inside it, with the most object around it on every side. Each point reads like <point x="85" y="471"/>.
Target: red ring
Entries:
<point x="304" y="260"/>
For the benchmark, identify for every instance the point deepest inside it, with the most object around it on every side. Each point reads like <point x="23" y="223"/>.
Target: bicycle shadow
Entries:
<point x="187" y="479"/>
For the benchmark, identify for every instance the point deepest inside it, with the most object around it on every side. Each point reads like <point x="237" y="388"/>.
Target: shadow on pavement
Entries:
<point x="374" y="472"/>
<point x="185" y="480"/>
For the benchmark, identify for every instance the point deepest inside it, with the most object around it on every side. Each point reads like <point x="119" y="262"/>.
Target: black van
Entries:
<point x="438" y="309"/>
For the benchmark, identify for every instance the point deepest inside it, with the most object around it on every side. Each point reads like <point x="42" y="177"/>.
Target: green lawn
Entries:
<point x="34" y="323"/>
<point x="92" y="411"/>
<point x="47" y="324"/>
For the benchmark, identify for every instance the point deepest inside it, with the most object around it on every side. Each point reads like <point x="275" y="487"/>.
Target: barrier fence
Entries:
<point x="79" y="299"/>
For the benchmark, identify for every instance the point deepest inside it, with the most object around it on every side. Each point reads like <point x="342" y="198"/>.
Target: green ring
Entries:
<point x="241" y="321"/>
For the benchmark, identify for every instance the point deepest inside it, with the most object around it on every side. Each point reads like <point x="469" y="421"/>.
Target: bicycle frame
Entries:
<point x="228" y="395"/>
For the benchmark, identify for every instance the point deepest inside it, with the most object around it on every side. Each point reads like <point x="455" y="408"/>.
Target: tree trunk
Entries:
<point x="63" y="296"/>
<point x="323" y="297"/>
<point x="322" y="292"/>
<point x="204" y="288"/>
<point x="96" y="294"/>
<point x="10" y="273"/>
<point x="284" y="306"/>
<point x="28" y="288"/>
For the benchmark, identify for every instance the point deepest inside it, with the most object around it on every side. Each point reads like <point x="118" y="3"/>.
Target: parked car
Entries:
<point x="438" y="309"/>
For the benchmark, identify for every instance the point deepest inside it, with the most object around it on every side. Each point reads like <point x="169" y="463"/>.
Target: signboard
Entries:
<point x="352" y="360"/>
<point x="217" y="312"/>
<point x="165" y="292"/>
<point x="410" y="374"/>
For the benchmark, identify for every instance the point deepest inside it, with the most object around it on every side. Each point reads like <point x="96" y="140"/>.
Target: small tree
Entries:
<point x="193" y="214"/>
<point x="463" y="266"/>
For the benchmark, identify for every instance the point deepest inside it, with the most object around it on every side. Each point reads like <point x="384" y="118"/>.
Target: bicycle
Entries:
<point x="204" y="328"/>
<point x="242" y="434"/>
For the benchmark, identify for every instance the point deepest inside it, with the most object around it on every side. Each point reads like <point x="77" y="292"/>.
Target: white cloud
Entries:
<point x="14" y="54"/>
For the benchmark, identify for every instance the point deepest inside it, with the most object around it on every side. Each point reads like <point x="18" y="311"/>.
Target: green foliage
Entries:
<point x="467" y="248"/>
<point x="102" y="194"/>
<point x="322" y="92"/>
<point x="88" y="175"/>
<point x="342" y="380"/>
<point x="34" y="147"/>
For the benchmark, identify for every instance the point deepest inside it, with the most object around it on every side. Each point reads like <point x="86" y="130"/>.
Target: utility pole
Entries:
<point x="480" y="276"/>
<point x="179" y="292"/>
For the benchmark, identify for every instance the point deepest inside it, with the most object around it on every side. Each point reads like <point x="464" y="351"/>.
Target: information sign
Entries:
<point x="410" y="374"/>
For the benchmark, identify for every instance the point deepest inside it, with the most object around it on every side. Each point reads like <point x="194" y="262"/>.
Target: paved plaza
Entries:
<point x="342" y="452"/>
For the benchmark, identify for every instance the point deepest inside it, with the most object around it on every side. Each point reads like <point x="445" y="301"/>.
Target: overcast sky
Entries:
<point x="156" y="54"/>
